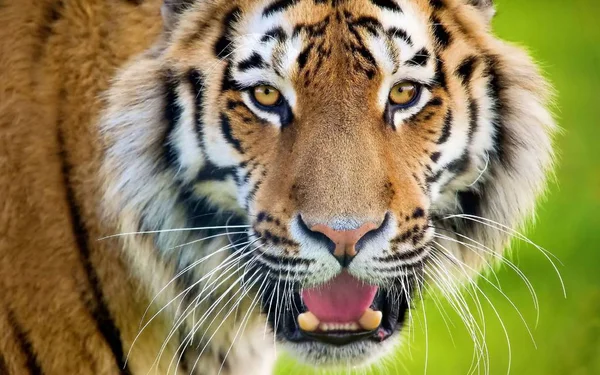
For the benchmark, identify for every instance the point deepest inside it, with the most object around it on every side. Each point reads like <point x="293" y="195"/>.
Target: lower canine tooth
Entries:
<point x="370" y="320"/>
<point x="308" y="322"/>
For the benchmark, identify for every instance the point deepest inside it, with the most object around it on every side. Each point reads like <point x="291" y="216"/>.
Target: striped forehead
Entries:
<point x="264" y="49"/>
<point x="268" y="43"/>
<point x="406" y="27"/>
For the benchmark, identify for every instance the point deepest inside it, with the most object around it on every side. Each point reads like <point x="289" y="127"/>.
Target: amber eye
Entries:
<point x="404" y="94"/>
<point x="266" y="95"/>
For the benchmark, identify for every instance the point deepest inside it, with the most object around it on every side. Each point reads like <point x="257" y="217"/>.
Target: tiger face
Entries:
<point x="365" y="143"/>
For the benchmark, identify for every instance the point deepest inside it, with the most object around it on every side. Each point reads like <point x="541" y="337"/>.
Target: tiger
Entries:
<point x="191" y="186"/>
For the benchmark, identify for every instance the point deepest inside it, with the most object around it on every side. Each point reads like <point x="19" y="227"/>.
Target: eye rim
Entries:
<point x="413" y="101"/>
<point x="266" y="107"/>
<point x="282" y="108"/>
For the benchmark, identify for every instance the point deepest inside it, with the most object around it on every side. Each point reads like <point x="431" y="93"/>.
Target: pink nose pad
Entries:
<point x="345" y="241"/>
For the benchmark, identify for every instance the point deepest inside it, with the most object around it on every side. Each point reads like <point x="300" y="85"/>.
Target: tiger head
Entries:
<point x="354" y="151"/>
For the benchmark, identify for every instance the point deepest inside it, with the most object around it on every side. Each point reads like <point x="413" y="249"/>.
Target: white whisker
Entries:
<point x="174" y="230"/>
<point x="507" y="230"/>
<point x="245" y="320"/>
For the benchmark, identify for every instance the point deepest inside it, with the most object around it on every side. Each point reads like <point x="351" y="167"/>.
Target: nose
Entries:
<point x="343" y="244"/>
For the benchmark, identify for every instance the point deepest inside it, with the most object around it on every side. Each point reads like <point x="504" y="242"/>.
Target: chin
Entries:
<point x="359" y="353"/>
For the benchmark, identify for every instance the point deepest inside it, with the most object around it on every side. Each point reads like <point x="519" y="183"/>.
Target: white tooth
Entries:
<point x="354" y="327"/>
<point x="347" y="326"/>
<point x="370" y="320"/>
<point x="324" y="327"/>
<point x="308" y="322"/>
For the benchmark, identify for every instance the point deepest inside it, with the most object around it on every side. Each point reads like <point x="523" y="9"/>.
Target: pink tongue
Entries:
<point x="343" y="299"/>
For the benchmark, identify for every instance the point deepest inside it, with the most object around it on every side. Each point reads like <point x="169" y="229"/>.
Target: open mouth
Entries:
<point x="340" y="312"/>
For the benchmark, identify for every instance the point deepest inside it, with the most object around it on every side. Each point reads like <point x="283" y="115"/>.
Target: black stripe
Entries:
<point x="268" y="237"/>
<point x="211" y="172"/>
<point x="277" y="33"/>
<point x="395" y="32"/>
<point x="252" y="192"/>
<point x="436" y="4"/>
<point x="105" y="324"/>
<point x="474" y="118"/>
<point x="458" y="166"/>
<point x="440" y="74"/>
<point x="465" y="69"/>
<point x="228" y="133"/>
<point x="435" y="102"/>
<point x="223" y="361"/>
<point x="418" y="213"/>
<point x="172" y="115"/>
<point x="197" y="82"/>
<point x="233" y="104"/>
<point x="284" y="261"/>
<point x="470" y="203"/>
<point x="252" y="62"/>
<point x="303" y="56"/>
<point x="421" y="58"/>
<point x="185" y="352"/>
<point x="314" y="30"/>
<point x="202" y="213"/>
<point x="3" y="365"/>
<point x="264" y="216"/>
<point x="228" y="83"/>
<point x="31" y="359"/>
<point x="435" y="177"/>
<point x="495" y="89"/>
<point x="371" y="24"/>
<point x="408" y="255"/>
<point x="465" y="72"/>
<point x="411" y="266"/>
<point x="278" y="6"/>
<point x="446" y="130"/>
<point x="224" y="45"/>
<point x="388" y="4"/>
<point x="52" y="16"/>
<point x="441" y="34"/>
<point x="366" y="54"/>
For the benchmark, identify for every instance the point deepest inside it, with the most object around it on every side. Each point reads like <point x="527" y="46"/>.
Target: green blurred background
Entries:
<point x="564" y="37"/>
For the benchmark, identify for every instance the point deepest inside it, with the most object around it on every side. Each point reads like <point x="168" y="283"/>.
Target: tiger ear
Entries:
<point x="171" y="9"/>
<point x="485" y="6"/>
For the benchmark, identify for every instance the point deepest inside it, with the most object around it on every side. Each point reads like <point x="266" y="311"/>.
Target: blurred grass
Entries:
<point x="564" y="37"/>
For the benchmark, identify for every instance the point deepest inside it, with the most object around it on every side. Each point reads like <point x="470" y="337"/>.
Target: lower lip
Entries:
<point x="341" y="339"/>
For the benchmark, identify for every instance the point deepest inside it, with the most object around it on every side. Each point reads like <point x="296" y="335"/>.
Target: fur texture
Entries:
<point x="135" y="119"/>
